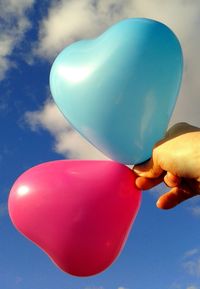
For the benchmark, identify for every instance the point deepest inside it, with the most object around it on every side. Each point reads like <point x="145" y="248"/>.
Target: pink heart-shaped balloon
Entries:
<point x="78" y="212"/>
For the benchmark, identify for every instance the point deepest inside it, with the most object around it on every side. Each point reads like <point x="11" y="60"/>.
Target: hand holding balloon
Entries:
<point x="176" y="161"/>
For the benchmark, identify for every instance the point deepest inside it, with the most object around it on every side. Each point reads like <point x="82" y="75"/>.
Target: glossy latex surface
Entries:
<point x="78" y="212"/>
<point x="119" y="90"/>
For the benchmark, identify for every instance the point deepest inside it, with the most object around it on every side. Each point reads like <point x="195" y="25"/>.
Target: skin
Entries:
<point x="175" y="161"/>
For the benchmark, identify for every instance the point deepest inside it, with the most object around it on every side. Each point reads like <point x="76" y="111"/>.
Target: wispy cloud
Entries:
<point x="67" y="142"/>
<point x="195" y="211"/>
<point x="176" y="285"/>
<point x="13" y="26"/>
<point x="192" y="252"/>
<point x="85" y="19"/>
<point x="193" y="267"/>
<point x="191" y="262"/>
<point x="88" y="18"/>
<point x="194" y="206"/>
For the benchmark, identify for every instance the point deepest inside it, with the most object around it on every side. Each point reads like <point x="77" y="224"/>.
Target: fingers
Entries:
<point x="181" y="189"/>
<point x="148" y="169"/>
<point x="146" y="184"/>
<point x="172" y="180"/>
<point x="173" y="198"/>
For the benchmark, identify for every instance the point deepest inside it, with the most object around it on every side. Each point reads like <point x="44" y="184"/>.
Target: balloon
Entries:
<point x="78" y="212"/>
<point x="119" y="90"/>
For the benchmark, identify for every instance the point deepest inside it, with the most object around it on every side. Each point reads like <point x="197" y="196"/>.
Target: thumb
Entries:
<point x="149" y="169"/>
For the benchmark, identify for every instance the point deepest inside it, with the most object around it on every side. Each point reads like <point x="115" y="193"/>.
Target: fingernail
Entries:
<point x="158" y="204"/>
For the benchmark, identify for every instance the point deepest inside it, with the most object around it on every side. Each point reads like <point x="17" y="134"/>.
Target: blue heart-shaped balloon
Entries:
<point x="119" y="90"/>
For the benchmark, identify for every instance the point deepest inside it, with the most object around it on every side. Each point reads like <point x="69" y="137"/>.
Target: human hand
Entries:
<point x="176" y="161"/>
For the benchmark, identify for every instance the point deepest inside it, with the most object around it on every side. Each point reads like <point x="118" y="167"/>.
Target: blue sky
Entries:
<point x="163" y="249"/>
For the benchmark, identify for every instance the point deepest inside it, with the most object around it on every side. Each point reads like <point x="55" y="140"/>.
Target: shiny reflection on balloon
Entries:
<point x="74" y="74"/>
<point x="23" y="190"/>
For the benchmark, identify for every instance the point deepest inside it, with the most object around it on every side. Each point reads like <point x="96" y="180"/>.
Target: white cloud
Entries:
<point x="68" y="21"/>
<point x="67" y="142"/>
<point x="14" y="24"/>
<point x="191" y="252"/>
<point x="195" y="211"/>
<point x="191" y="262"/>
<point x="193" y="267"/>
<point x="176" y="285"/>
<point x="194" y="206"/>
